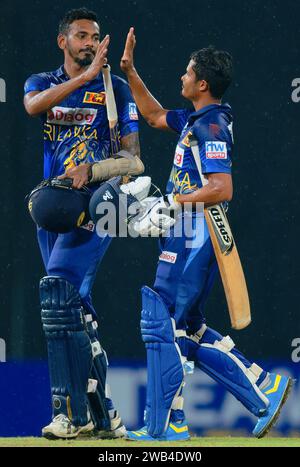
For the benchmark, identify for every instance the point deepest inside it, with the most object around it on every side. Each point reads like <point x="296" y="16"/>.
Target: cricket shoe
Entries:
<point x="277" y="392"/>
<point x="62" y="428"/>
<point x="117" y="429"/>
<point x="176" y="431"/>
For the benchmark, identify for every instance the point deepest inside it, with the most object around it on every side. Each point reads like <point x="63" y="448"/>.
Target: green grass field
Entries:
<point x="193" y="442"/>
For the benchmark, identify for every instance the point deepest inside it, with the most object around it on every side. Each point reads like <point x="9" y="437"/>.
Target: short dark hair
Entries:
<point x="73" y="15"/>
<point x="215" y="67"/>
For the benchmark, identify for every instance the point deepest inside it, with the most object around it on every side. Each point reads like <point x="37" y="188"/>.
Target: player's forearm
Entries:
<point x="209" y="194"/>
<point x="131" y="144"/>
<point x="123" y="164"/>
<point x="47" y="99"/>
<point x="147" y="104"/>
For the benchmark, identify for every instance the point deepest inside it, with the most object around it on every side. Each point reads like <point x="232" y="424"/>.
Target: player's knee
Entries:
<point x="166" y="286"/>
<point x="61" y="271"/>
<point x="61" y="305"/>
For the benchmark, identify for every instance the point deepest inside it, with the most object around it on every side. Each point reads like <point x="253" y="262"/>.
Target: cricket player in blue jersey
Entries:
<point x="173" y="325"/>
<point x="71" y="104"/>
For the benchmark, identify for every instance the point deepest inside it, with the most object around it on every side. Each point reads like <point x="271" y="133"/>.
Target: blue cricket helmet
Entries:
<point x="55" y="206"/>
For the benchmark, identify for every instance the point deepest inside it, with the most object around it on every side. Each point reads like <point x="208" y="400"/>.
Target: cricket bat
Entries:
<point x="112" y="114"/>
<point x="227" y="256"/>
<point x="230" y="267"/>
<point x="111" y="108"/>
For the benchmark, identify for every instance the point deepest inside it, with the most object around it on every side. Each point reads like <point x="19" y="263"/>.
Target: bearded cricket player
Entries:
<point x="71" y="104"/>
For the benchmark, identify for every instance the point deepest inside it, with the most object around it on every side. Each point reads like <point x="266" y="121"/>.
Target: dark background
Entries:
<point x="264" y="40"/>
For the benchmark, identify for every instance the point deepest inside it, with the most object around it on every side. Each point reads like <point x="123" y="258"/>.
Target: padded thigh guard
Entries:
<point x="69" y="348"/>
<point x="164" y="365"/>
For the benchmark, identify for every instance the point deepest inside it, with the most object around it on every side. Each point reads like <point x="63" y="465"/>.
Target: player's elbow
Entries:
<point x="225" y="194"/>
<point x="222" y="192"/>
<point x="31" y="110"/>
<point x="229" y="189"/>
<point x="228" y="194"/>
<point x="221" y="186"/>
<point x="157" y="119"/>
<point x="152" y="121"/>
<point x="30" y="107"/>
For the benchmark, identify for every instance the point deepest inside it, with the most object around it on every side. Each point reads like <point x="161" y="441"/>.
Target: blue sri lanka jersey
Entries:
<point x="76" y="130"/>
<point x="211" y="129"/>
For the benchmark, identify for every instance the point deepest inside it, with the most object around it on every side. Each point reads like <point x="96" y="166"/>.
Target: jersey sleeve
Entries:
<point x="215" y="147"/>
<point x="127" y="110"/>
<point x="176" y="119"/>
<point x="36" y="83"/>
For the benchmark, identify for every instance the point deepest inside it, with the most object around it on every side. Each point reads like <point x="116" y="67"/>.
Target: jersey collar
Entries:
<point x="199" y="113"/>
<point x="61" y="72"/>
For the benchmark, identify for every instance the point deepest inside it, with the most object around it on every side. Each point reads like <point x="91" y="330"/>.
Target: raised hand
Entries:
<point x="127" y="64"/>
<point x="99" y="60"/>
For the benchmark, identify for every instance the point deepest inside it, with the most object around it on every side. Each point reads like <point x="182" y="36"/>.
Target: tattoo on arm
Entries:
<point x="131" y="144"/>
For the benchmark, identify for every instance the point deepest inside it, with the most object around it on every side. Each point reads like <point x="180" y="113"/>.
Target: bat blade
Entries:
<point x="230" y="267"/>
<point x="227" y="256"/>
<point x="111" y="107"/>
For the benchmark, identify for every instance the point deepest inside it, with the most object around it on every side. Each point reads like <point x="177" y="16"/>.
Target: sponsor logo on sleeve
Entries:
<point x="68" y="116"/>
<point x="215" y="150"/>
<point x="178" y="158"/>
<point x="133" y="114"/>
<point x="94" y="98"/>
<point x="168" y="257"/>
<point x="186" y="139"/>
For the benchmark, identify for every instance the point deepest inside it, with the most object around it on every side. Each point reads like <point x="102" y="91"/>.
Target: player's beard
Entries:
<point x="82" y="62"/>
